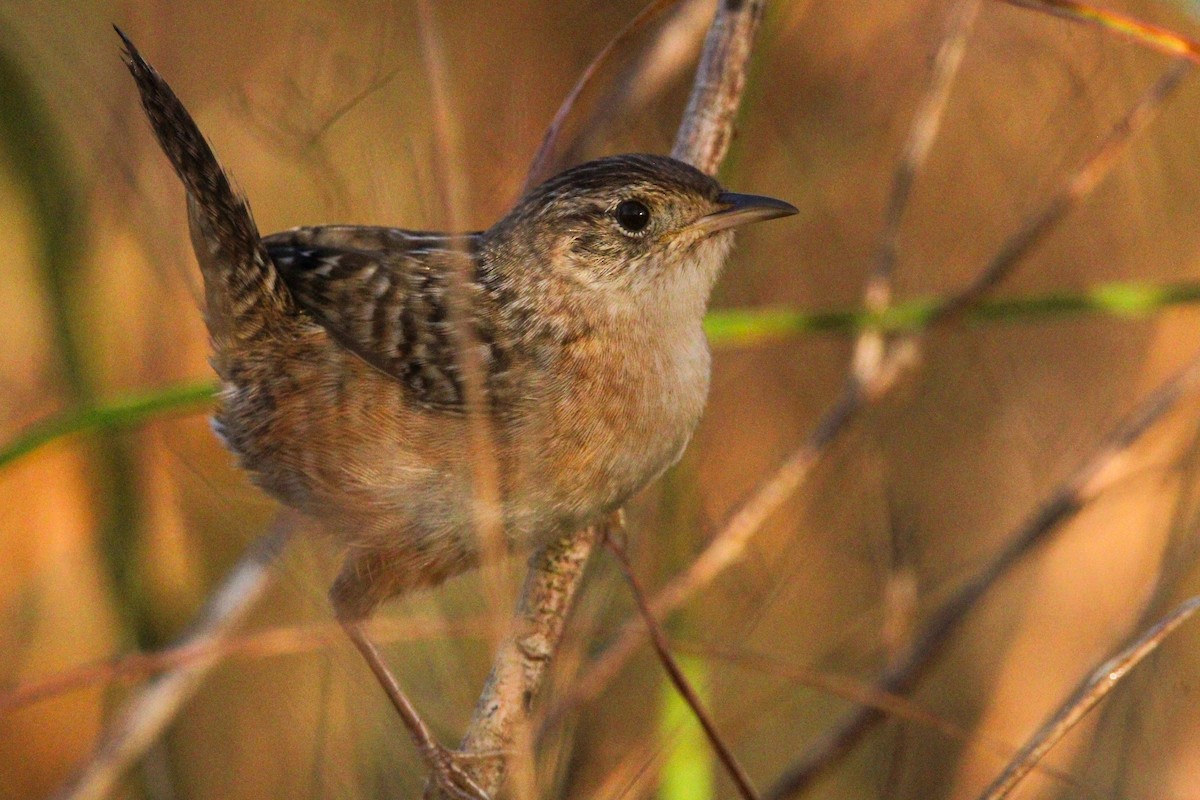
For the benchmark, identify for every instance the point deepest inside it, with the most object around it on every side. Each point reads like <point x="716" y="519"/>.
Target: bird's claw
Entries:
<point x="448" y="778"/>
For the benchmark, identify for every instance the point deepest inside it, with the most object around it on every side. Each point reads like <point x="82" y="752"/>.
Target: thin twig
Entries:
<point x="926" y="123"/>
<point x="663" y="649"/>
<point x="143" y="718"/>
<point x="860" y="692"/>
<point x="642" y="761"/>
<point x="673" y="51"/>
<point x="876" y="359"/>
<point x="1091" y="691"/>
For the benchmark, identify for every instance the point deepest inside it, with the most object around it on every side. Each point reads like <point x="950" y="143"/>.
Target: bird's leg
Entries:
<point x="449" y="776"/>
<point x="354" y="596"/>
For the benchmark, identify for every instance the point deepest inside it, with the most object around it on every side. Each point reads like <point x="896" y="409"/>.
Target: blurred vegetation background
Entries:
<point x="109" y="544"/>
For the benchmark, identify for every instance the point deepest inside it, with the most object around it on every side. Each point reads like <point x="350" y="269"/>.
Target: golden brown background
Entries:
<point x="105" y="547"/>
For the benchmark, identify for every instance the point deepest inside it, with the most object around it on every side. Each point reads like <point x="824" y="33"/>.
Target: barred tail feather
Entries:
<point x="245" y="296"/>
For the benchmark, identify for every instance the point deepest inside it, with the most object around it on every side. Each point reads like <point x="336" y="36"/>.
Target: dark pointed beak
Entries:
<point x="740" y="209"/>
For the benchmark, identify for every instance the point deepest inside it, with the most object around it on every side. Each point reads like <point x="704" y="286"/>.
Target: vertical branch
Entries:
<point x="555" y="574"/>
<point x="707" y="127"/>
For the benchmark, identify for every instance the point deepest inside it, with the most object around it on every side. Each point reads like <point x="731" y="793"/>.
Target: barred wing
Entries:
<point x="382" y="293"/>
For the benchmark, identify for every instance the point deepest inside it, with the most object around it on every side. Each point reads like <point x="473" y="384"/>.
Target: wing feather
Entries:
<point x="382" y="293"/>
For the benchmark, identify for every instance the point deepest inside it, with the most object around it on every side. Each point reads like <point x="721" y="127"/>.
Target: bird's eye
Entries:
<point x="633" y="216"/>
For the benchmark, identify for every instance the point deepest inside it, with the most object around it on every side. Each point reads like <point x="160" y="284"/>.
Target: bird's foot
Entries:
<point x="448" y="778"/>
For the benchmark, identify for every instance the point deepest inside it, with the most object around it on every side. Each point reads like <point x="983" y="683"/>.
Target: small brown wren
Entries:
<point x="344" y="391"/>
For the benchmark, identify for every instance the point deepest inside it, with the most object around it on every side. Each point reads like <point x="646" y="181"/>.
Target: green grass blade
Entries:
<point x="119" y="413"/>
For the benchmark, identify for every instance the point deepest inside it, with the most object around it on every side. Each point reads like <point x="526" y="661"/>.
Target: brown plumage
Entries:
<point x="340" y="350"/>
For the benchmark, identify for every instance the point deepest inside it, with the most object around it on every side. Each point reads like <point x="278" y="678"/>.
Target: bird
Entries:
<point x="355" y="360"/>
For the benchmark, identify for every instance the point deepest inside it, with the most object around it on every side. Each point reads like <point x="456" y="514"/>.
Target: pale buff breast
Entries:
<point x="616" y="424"/>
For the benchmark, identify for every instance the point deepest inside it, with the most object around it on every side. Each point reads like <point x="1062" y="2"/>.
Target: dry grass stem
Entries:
<point x="876" y="362"/>
<point x="1091" y="691"/>
<point x="1156" y="37"/>
<point x="922" y="133"/>
<point x="485" y="476"/>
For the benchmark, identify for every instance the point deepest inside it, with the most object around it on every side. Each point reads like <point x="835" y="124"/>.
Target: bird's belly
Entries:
<point x="616" y="428"/>
<point x="352" y="452"/>
<point x="332" y="437"/>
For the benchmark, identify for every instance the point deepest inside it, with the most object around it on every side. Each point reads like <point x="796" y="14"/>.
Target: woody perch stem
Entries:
<point x="556" y="572"/>
<point x="707" y="128"/>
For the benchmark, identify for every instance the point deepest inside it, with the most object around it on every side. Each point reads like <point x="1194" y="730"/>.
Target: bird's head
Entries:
<point x="629" y="222"/>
